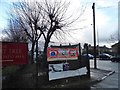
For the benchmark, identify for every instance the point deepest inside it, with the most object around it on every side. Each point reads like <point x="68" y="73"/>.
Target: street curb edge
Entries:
<point x="110" y="73"/>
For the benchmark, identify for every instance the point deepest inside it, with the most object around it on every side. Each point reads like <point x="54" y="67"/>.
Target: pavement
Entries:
<point x="24" y="79"/>
<point x="97" y="75"/>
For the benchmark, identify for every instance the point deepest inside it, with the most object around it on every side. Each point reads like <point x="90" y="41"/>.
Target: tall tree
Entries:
<point x="44" y="19"/>
<point x="56" y="17"/>
<point x="29" y="15"/>
<point x="15" y="32"/>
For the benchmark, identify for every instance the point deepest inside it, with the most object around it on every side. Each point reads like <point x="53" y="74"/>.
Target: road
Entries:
<point x="112" y="80"/>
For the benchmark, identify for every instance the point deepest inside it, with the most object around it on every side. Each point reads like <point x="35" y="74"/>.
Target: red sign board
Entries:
<point x="14" y="53"/>
<point x="54" y="54"/>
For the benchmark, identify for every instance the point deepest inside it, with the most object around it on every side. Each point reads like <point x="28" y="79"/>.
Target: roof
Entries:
<point x="116" y="44"/>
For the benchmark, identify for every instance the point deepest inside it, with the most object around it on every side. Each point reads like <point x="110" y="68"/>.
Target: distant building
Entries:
<point x="99" y="49"/>
<point x="116" y="48"/>
<point x="103" y="49"/>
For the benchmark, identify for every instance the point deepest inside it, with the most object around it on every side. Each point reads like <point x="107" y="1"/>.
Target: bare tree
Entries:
<point x="15" y="32"/>
<point x="114" y="37"/>
<point x="43" y="19"/>
<point x="29" y="15"/>
<point x="56" y="18"/>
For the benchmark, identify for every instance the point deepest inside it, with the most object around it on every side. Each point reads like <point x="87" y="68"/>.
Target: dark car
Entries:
<point x="115" y="58"/>
<point x="104" y="56"/>
<point x="88" y="56"/>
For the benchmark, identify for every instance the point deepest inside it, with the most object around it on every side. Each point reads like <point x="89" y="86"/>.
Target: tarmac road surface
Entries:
<point x="113" y="80"/>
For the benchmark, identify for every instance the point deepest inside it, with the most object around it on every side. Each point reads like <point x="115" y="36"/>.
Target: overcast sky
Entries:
<point x="106" y="21"/>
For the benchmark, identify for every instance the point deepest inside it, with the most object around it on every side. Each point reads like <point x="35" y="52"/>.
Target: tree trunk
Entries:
<point x="44" y="64"/>
<point x="32" y="53"/>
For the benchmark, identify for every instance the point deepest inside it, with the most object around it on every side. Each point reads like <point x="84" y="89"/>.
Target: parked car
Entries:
<point x="104" y="56"/>
<point x="115" y="58"/>
<point x="89" y="56"/>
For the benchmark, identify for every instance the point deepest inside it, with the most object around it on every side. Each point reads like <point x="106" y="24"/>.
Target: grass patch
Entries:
<point x="9" y="70"/>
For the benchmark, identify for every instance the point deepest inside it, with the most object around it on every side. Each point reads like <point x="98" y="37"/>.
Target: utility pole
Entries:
<point x="94" y="33"/>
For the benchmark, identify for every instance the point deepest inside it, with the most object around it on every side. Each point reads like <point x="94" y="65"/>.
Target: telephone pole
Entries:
<point x="94" y="33"/>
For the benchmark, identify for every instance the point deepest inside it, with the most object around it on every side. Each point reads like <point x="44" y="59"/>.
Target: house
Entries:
<point x="103" y="49"/>
<point x="99" y="49"/>
<point x="116" y="48"/>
